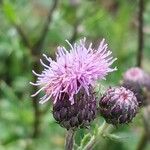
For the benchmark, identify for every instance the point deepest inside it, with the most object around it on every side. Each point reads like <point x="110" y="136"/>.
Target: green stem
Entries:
<point x="142" y="142"/>
<point x="95" y="138"/>
<point x="90" y="144"/>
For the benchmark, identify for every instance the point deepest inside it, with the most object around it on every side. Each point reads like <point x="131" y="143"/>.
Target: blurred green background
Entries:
<point x="29" y="28"/>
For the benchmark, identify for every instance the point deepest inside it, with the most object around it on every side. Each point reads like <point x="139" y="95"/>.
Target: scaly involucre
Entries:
<point x="77" y="68"/>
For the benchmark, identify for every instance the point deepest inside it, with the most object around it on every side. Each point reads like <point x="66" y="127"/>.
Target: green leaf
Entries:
<point x="8" y="92"/>
<point x="114" y="137"/>
<point x="85" y="139"/>
<point x="10" y="12"/>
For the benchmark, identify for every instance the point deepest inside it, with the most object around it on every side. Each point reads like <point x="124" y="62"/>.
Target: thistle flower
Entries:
<point x="69" y="82"/>
<point x="135" y="74"/>
<point x="72" y="70"/>
<point x="135" y="79"/>
<point x="139" y="76"/>
<point x="118" y="105"/>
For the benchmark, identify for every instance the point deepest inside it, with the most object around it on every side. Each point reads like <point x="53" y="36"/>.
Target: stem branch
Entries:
<point x="39" y="44"/>
<point x="69" y="140"/>
<point x="142" y="142"/>
<point x="94" y="140"/>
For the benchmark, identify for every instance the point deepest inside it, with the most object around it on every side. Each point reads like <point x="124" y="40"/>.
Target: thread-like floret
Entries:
<point x="72" y="70"/>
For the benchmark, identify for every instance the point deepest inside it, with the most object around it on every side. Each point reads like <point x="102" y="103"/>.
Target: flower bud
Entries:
<point x="137" y="75"/>
<point x="118" y="105"/>
<point x="136" y="80"/>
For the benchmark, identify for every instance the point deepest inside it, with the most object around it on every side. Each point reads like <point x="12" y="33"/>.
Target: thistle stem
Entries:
<point x="36" y="110"/>
<point x="69" y="140"/>
<point x="144" y="137"/>
<point x="142" y="142"/>
<point x="95" y="138"/>
<point x="140" y="34"/>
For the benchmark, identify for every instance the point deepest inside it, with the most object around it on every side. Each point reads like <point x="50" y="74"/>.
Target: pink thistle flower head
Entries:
<point x="138" y="76"/>
<point x="134" y="74"/>
<point x="72" y="70"/>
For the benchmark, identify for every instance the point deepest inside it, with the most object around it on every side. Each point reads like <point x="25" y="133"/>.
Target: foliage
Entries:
<point x="115" y="20"/>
